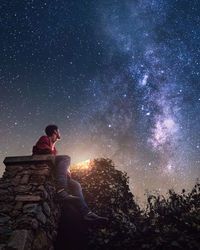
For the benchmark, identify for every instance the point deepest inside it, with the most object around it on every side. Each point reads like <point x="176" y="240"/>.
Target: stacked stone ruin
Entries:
<point x="28" y="214"/>
<point x="30" y="217"/>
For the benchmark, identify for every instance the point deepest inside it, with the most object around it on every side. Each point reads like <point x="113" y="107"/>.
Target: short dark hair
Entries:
<point x="49" y="130"/>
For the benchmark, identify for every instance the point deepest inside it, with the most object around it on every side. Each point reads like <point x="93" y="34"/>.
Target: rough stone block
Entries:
<point x="23" y="221"/>
<point x="19" y="240"/>
<point x="5" y="229"/>
<point x="41" y="187"/>
<point x="15" y="181"/>
<point x="27" y="172"/>
<point x="25" y="179"/>
<point x="6" y="198"/>
<point x="4" y="219"/>
<point x="34" y="224"/>
<point x="4" y="192"/>
<point x="32" y="159"/>
<point x="46" y="209"/>
<point x="43" y="166"/>
<point x="2" y="247"/>
<point x="44" y="193"/>
<point x="44" y="171"/>
<point x="5" y="208"/>
<point x="14" y="168"/>
<point x="41" y="241"/>
<point x="26" y="222"/>
<point x="39" y="179"/>
<point x="27" y="198"/>
<point x="18" y="205"/>
<point x="15" y="213"/>
<point x="32" y="167"/>
<point x="36" y="210"/>
<point x="31" y="208"/>
<point x="40" y="216"/>
<point x="4" y="185"/>
<point x="23" y="188"/>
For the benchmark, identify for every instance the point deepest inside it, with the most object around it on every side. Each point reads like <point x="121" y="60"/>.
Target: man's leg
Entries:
<point x="62" y="165"/>
<point x="74" y="188"/>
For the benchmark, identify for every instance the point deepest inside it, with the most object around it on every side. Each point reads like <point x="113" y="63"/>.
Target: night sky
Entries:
<point x="119" y="78"/>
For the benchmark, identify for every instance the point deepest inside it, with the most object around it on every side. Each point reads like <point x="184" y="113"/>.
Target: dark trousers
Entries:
<point x="70" y="185"/>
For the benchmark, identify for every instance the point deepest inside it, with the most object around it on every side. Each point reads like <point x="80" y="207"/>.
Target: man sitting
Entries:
<point x="64" y="182"/>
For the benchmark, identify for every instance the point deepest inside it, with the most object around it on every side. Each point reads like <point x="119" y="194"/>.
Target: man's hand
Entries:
<point x="68" y="173"/>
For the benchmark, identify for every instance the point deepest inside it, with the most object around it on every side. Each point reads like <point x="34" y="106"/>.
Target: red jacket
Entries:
<point x="44" y="146"/>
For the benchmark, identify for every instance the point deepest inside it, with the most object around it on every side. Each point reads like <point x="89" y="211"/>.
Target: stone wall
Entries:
<point x="28" y="213"/>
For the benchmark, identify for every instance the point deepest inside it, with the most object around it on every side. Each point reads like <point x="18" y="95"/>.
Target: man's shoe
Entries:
<point x="90" y="217"/>
<point x="64" y="196"/>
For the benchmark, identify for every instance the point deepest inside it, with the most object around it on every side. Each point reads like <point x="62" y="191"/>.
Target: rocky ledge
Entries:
<point x="28" y="214"/>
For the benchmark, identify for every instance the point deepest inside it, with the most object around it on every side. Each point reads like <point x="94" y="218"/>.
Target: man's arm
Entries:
<point x="43" y="147"/>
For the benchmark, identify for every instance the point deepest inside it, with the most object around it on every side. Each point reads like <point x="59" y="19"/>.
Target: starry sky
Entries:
<point x="119" y="78"/>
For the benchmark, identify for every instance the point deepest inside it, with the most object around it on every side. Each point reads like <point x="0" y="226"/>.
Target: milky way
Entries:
<point x="121" y="80"/>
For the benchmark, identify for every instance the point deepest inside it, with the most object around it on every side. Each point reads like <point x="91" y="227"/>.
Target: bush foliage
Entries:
<point x="166" y="223"/>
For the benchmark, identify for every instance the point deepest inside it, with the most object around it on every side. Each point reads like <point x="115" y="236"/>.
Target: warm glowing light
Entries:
<point x="82" y="165"/>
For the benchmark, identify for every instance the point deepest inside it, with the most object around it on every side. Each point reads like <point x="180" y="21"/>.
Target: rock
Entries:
<point x="36" y="210"/>
<point x="27" y="198"/>
<point x="5" y="208"/>
<point x="14" y="168"/>
<point x="22" y="188"/>
<point x="40" y="216"/>
<point x="15" y="181"/>
<point x="34" y="224"/>
<point x="33" y="167"/>
<point x="4" y="219"/>
<point x="41" y="241"/>
<point x="28" y="172"/>
<point x="4" y="185"/>
<point x="44" y="171"/>
<point x="18" y="205"/>
<point x="6" y="198"/>
<point x="2" y="247"/>
<point x="46" y="209"/>
<point x="31" y="208"/>
<point x="19" y="240"/>
<point x="4" y="192"/>
<point x="25" y="179"/>
<point x="41" y="188"/>
<point x="15" y="213"/>
<point x="4" y="229"/>
<point x="38" y="179"/>
<point x="26" y="161"/>
<point x="24" y="221"/>
<point x="44" y="193"/>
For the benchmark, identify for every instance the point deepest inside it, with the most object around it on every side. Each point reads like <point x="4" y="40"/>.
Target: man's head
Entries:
<point x="53" y="131"/>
